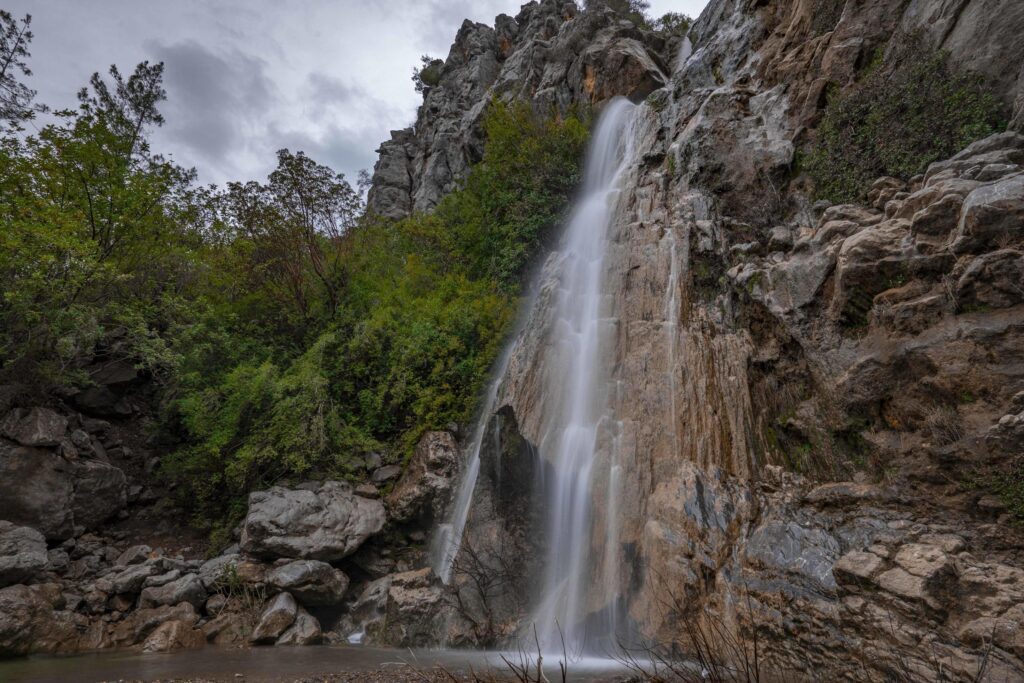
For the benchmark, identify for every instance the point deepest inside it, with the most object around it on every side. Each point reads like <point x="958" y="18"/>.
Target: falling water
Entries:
<point x="580" y="321"/>
<point x="448" y="538"/>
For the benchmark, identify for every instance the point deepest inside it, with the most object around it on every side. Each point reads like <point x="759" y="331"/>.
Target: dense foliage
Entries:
<point x="290" y="335"/>
<point x="909" y="109"/>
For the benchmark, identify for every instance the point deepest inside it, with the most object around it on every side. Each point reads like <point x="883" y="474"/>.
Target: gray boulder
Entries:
<point x="42" y="490"/>
<point x="22" y="554"/>
<point x="426" y="487"/>
<point x="186" y="589"/>
<point x="35" y="427"/>
<point x="277" y="616"/>
<point x="311" y="582"/>
<point x="327" y="523"/>
<point x="305" y="630"/>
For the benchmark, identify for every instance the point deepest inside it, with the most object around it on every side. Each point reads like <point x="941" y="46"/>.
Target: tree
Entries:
<point x="428" y="74"/>
<point x="15" y="97"/>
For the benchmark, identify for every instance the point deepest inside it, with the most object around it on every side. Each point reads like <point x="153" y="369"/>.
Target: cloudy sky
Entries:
<point x="247" y="77"/>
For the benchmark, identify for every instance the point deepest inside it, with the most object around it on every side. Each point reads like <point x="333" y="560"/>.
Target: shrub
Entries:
<point x="913" y="108"/>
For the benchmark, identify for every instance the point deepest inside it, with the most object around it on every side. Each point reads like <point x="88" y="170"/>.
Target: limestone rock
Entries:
<point x="174" y="635"/>
<point x="305" y="630"/>
<point x="278" y="615"/>
<point x="186" y="589"/>
<point x="22" y="554"/>
<point x="326" y="524"/>
<point x="426" y="486"/>
<point x="311" y="582"/>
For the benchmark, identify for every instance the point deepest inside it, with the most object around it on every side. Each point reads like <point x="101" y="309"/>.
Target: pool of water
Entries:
<point x="274" y="664"/>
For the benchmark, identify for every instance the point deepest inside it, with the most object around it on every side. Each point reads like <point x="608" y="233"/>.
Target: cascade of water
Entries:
<point x="580" y="380"/>
<point x="448" y="538"/>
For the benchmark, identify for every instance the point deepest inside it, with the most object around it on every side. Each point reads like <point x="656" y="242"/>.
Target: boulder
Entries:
<point x="186" y="589"/>
<point x="101" y="490"/>
<point x="35" y="427"/>
<point x="415" y="611"/>
<point x="327" y="524"/>
<point x="42" y="490"/>
<point x="277" y="616"/>
<point x="132" y="579"/>
<point x="139" y="623"/>
<point x="383" y="475"/>
<point x="101" y="401"/>
<point x="174" y="635"/>
<point x="22" y="554"/>
<point x="305" y="630"/>
<point x="136" y="554"/>
<point x="311" y="582"/>
<point x="425" y="488"/>
<point x="32" y="619"/>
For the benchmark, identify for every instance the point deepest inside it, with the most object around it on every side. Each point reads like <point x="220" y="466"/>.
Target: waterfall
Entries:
<point x="579" y="379"/>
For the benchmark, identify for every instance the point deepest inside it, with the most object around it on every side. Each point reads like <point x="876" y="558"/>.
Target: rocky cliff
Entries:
<point x="807" y="400"/>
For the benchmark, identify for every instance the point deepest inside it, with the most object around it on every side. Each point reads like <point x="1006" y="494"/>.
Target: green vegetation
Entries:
<point x="910" y="109"/>
<point x="288" y="333"/>
<point x="428" y="74"/>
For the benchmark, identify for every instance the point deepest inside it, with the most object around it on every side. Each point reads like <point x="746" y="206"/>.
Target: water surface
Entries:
<point x="271" y="664"/>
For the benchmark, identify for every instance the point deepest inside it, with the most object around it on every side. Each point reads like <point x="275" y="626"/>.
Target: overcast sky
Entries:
<point x="247" y="77"/>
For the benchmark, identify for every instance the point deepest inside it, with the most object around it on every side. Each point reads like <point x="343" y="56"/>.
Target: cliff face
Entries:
<point x="805" y="399"/>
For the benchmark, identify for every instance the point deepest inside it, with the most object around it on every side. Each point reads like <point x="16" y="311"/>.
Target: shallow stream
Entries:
<point x="274" y="664"/>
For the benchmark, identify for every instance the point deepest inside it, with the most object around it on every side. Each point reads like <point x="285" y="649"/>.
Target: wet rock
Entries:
<point x="311" y="582"/>
<point x="327" y="524"/>
<point x="139" y="623"/>
<point x="22" y="554"/>
<point x="34" y="427"/>
<point x="277" y="616"/>
<point x="186" y="589"/>
<point x="425" y="488"/>
<point x="174" y="635"/>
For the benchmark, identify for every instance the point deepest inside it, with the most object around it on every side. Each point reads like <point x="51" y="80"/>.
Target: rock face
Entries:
<point x="34" y="427"/>
<point x="425" y="489"/>
<point x="549" y="54"/>
<point x="327" y="524"/>
<point x="764" y="345"/>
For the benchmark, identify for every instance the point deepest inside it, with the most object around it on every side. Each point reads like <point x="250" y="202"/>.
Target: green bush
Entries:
<point x="913" y="108"/>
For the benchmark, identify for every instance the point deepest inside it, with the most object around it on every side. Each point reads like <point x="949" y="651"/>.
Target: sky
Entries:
<point x="245" y="78"/>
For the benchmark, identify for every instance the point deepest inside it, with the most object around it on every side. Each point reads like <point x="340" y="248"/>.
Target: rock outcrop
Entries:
<point x="549" y="54"/>
<point x="804" y="400"/>
<point x="324" y="522"/>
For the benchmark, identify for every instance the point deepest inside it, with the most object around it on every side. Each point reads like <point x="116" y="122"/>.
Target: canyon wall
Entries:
<point x="804" y="399"/>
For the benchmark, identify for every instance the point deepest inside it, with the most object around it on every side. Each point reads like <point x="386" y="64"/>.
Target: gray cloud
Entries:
<point x="215" y="101"/>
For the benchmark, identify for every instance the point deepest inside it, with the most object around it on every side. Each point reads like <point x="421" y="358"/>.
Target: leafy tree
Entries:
<point x="428" y="74"/>
<point x="673" y="23"/>
<point x="15" y="97"/>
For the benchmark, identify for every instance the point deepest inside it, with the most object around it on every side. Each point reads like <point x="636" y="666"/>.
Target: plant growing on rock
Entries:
<point x="913" y="108"/>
